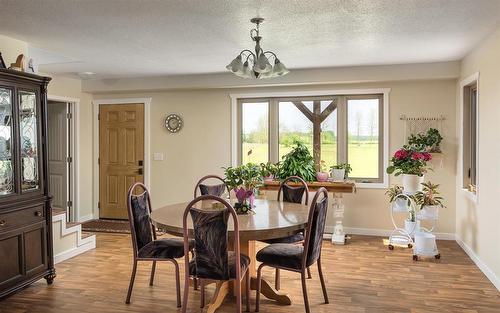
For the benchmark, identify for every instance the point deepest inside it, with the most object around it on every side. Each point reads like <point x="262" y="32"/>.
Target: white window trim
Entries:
<point x="474" y="78"/>
<point x="335" y="92"/>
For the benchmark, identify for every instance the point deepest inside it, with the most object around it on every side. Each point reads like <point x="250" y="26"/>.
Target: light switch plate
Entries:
<point x="158" y="156"/>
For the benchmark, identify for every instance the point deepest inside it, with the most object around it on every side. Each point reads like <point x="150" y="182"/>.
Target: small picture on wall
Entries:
<point x="2" y="63"/>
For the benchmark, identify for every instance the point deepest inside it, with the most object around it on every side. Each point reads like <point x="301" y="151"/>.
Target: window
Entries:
<point x="469" y="135"/>
<point x="336" y="129"/>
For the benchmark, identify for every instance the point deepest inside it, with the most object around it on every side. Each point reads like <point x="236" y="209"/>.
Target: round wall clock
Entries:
<point x="173" y="123"/>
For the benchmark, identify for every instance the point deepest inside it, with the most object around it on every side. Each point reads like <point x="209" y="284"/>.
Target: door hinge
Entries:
<point x="99" y="205"/>
<point x="98" y="161"/>
<point x="69" y="159"/>
<point x="70" y="203"/>
<point x="98" y="116"/>
<point x="69" y="116"/>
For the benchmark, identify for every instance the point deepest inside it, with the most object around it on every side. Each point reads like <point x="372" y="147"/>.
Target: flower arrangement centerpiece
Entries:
<point x="412" y="164"/>
<point x="243" y="180"/>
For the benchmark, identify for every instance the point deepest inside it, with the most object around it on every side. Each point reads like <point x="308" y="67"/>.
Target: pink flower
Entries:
<point x="401" y="154"/>
<point x="427" y="156"/>
<point x="417" y="156"/>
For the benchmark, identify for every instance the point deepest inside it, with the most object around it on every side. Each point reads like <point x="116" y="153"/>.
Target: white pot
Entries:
<point x="400" y="205"/>
<point x="338" y="174"/>
<point x="429" y="212"/>
<point x="425" y="242"/>
<point x="412" y="183"/>
<point x="412" y="227"/>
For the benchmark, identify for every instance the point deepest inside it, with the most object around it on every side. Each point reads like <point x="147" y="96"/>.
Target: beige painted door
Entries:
<point x="121" y="156"/>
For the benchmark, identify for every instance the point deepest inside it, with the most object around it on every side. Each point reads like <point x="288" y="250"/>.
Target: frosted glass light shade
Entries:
<point x="262" y="65"/>
<point x="236" y="65"/>
<point x="246" y="72"/>
<point x="279" y="68"/>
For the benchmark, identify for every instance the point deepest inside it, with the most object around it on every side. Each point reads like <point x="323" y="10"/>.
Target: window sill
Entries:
<point x="470" y="195"/>
<point x="371" y="185"/>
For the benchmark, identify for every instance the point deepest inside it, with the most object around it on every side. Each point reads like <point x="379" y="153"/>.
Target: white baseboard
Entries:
<point x="381" y="232"/>
<point x="74" y="252"/>
<point x="85" y="218"/>
<point x="495" y="280"/>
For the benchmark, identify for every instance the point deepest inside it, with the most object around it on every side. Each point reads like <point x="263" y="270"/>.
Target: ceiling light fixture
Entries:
<point x="256" y="65"/>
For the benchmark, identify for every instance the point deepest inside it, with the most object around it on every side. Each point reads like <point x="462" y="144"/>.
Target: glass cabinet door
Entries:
<point x="6" y="165"/>
<point x="28" y="132"/>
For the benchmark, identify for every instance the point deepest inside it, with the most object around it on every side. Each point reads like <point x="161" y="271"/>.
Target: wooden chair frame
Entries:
<point x="195" y="193"/>
<point x="236" y="239"/>
<point x="136" y="250"/>
<point x="303" y="269"/>
<point x="277" y="276"/>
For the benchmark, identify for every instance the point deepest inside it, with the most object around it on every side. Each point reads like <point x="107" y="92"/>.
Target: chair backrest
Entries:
<point x="214" y="190"/>
<point x="139" y="211"/>
<point x="211" y="239"/>
<point x="294" y="194"/>
<point x="315" y="227"/>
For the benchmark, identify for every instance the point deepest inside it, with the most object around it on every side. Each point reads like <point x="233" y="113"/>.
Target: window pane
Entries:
<point x="294" y="126"/>
<point x="473" y="130"/>
<point x="329" y="136"/>
<point x="363" y="137"/>
<point x="255" y="132"/>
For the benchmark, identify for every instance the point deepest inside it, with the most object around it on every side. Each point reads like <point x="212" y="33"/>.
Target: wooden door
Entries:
<point x="121" y="156"/>
<point x="58" y="154"/>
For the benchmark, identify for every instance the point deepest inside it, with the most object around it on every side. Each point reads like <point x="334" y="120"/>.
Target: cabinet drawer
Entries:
<point x="22" y="217"/>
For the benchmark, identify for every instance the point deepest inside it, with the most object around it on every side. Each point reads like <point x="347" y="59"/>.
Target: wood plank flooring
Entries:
<point x="363" y="276"/>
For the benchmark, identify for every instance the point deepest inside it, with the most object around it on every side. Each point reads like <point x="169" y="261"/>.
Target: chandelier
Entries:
<point x="249" y="64"/>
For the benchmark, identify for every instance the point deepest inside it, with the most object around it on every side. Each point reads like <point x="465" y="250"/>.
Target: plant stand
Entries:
<point x="400" y="236"/>
<point x="338" y="236"/>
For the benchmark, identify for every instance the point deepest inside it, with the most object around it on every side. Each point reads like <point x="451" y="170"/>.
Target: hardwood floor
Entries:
<point x="363" y="276"/>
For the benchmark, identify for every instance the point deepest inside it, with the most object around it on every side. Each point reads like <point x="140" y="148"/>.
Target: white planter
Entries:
<point x="412" y="227"/>
<point x="412" y="183"/>
<point x="338" y="174"/>
<point x="400" y="205"/>
<point x="425" y="243"/>
<point x="429" y="212"/>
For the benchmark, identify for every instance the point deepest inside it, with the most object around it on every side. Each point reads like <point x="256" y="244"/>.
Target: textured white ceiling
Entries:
<point x="118" y="38"/>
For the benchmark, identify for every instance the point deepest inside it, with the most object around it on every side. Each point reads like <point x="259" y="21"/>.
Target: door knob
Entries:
<point x="38" y="213"/>
<point x="3" y="222"/>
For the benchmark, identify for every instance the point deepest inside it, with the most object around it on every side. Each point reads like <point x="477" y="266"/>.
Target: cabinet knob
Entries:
<point x="3" y="222"/>
<point x="38" y="213"/>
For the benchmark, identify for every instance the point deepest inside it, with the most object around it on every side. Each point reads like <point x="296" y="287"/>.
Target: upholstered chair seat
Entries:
<point x="231" y="263"/>
<point x="169" y="248"/>
<point x="282" y="255"/>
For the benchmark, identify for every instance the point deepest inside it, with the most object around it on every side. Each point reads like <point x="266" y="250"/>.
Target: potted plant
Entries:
<point x="268" y="170"/>
<point x="341" y="171"/>
<point x="429" y="201"/>
<point x="412" y="164"/>
<point x="322" y="175"/>
<point x="429" y="142"/>
<point x="243" y="180"/>
<point x="400" y="204"/>
<point x="412" y="224"/>
<point x="298" y="162"/>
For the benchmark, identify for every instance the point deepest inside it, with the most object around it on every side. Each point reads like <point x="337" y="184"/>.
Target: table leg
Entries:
<point x="221" y="290"/>
<point x="338" y="236"/>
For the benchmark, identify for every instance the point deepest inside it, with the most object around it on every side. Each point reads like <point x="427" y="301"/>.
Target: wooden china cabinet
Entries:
<point x="26" y="248"/>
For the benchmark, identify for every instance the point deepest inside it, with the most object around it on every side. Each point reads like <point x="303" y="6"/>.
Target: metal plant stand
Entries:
<point x="400" y="236"/>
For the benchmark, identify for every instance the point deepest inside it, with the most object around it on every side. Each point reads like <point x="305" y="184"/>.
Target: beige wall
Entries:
<point x="203" y="146"/>
<point x="11" y="48"/>
<point x="478" y="224"/>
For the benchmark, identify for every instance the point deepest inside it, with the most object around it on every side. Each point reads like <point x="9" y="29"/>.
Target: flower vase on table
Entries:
<point x="245" y="202"/>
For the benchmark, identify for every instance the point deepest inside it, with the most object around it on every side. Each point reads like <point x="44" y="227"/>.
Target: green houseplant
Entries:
<point x="429" y="200"/>
<point x="269" y="170"/>
<point x="298" y="162"/>
<point x="243" y="180"/>
<point x="429" y="142"/>
<point x="341" y="171"/>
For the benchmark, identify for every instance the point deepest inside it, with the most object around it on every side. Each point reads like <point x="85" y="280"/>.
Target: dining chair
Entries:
<point x="292" y="194"/>
<point x="146" y="247"/>
<point x="297" y="258"/>
<point x="214" y="190"/>
<point x="212" y="260"/>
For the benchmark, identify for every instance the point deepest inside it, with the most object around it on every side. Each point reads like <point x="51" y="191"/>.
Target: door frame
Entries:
<point x="147" y="135"/>
<point x="74" y="125"/>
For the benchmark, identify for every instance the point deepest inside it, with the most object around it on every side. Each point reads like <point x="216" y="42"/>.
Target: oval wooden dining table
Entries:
<point x="271" y="219"/>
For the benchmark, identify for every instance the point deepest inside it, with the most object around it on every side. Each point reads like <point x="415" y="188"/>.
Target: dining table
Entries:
<point x="270" y="219"/>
